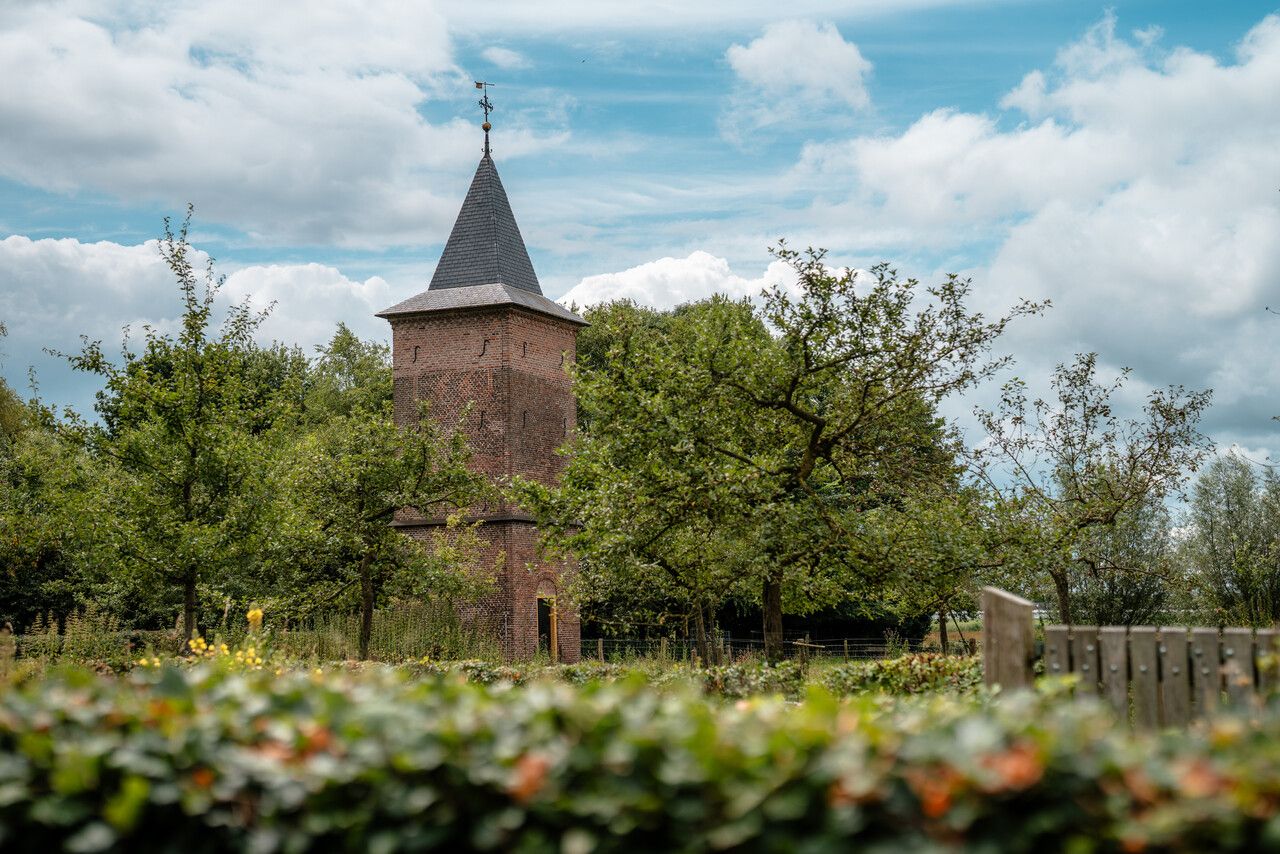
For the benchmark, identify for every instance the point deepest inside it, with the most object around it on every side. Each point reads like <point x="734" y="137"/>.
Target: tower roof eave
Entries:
<point x="492" y="294"/>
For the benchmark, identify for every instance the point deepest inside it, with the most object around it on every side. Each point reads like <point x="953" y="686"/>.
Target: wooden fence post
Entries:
<point x="1008" y="639"/>
<point x="1266" y="665"/>
<point x="1146" y="689"/>
<point x="1084" y="659"/>
<point x="1175" y="677"/>
<point x="1113" y="643"/>
<point x="1206" y="673"/>
<point x="1057" y="651"/>
<point x="600" y="648"/>
<point x="1237" y="665"/>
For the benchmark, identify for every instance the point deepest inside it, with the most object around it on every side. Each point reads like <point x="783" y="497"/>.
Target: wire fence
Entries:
<point x="736" y="649"/>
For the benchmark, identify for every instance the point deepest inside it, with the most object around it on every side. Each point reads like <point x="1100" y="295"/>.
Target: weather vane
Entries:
<point x="487" y="106"/>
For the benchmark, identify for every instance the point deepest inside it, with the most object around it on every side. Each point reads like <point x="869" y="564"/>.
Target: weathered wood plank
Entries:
<point x="1144" y="676"/>
<point x="1113" y="644"/>
<point x="1057" y="650"/>
<point x="1206" y="674"/>
<point x="1175" y="678"/>
<point x="1008" y="640"/>
<point x="1237" y="666"/>
<point x="1084" y="659"/>
<point x="1267" y="646"/>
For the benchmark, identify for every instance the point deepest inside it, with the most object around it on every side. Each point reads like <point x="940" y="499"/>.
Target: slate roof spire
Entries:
<point x="485" y="263"/>
<point x="485" y="246"/>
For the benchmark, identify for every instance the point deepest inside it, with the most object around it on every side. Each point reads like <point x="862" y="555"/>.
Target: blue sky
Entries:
<point x="1118" y="159"/>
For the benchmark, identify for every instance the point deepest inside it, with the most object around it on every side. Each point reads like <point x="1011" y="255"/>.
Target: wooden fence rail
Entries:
<point x="1151" y="676"/>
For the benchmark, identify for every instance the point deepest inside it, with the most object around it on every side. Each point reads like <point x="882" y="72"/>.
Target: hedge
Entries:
<point x="208" y="759"/>
<point x="921" y="673"/>
<point x="918" y="673"/>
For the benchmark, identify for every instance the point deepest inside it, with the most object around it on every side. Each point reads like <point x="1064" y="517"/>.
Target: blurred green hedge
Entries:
<point x="206" y="759"/>
<point x="909" y="674"/>
<point x="920" y="673"/>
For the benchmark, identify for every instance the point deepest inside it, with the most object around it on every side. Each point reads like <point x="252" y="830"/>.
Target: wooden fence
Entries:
<point x="1154" y="677"/>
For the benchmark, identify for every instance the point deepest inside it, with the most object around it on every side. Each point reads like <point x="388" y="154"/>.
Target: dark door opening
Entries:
<point x="547" y="642"/>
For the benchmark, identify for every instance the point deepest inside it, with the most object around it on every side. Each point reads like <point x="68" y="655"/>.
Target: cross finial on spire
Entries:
<point x="487" y="106"/>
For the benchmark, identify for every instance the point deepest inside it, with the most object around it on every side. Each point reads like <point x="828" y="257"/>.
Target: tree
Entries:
<point x="345" y="482"/>
<point x="1135" y="574"/>
<point x="182" y="427"/>
<point x="47" y="526"/>
<point x="13" y="414"/>
<point x="348" y="375"/>
<point x="769" y="431"/>
<point x="1070" y="473"/>
<point x="1234" y="544"/>
<point x="650" y="512"/>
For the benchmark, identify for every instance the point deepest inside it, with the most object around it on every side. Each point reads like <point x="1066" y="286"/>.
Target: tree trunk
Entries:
<point x="700" y="635"/>
<point x="1064" y="597"/>
<point x="773" y="618"/>
<point x="942" y="628"/>
<point x="366" y="604"/>
<point x="713" y="640"/>
<point x="188" y="606"/>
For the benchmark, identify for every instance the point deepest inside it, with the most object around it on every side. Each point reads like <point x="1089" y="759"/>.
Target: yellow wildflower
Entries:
<point x="255" y="620"/>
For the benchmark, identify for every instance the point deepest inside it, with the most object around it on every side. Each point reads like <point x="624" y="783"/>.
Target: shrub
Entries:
<point x="920" y="673"/>
<point x="749" y="679"/>
<point x="206" y="758"/>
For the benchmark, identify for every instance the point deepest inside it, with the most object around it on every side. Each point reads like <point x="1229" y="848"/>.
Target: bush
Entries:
<point x="750" y="679"/>
<point x="206" y="758"/>
<point x="921" y="673"/>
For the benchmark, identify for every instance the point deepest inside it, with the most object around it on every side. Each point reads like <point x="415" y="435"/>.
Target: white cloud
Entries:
<point x="293" y="123"/>
<point x="1133" y="185"/>
<point x="805" y="60"/>
<point x="505" y="58"/>
<point x="1141" y="198"/>
<point x="669" y="282"/>
<point x="649" y="15"/>
<point x="59" y="290"/>
<point x="795" y="68"/>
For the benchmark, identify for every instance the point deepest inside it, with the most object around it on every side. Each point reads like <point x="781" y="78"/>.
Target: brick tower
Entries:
<point x="483" y="334"/>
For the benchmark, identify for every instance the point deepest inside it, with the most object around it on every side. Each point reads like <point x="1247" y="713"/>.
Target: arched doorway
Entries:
<point x="548" y="623"/>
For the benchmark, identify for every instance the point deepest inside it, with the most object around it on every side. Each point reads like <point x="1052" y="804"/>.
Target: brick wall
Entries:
<point x="501" y="374"/>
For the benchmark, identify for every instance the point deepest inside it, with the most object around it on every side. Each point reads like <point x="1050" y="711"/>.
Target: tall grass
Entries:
<point x="89" y="635"/>
<point x="407" y="631"/>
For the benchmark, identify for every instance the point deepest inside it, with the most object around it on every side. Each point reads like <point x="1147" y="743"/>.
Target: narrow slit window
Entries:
<point x="415" y="354"/>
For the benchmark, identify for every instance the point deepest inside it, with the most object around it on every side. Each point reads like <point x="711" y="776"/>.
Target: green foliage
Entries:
<point x="1073" y="478"/>
<point x="404" y="631"/>
<point x="179" y="426"/>
<point x="208" y="759"/>
<point x="349" y="376"/>
<point x="751" y="679"/>
<point x="1234" y="545"/>
<point x="921" y="673"/>
<point x="734" y="451"/>
<point x="48" y="526"/>
<point x="223" y="474"/>
<point x="341" y="488"/>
